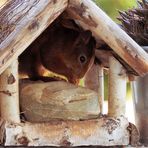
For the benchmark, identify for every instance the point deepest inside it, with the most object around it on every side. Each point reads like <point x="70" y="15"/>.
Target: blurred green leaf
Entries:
<point x="111" y="7"/>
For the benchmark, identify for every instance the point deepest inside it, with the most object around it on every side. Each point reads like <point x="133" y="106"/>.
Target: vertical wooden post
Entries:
<point x="101" y="87"/>
<point x="94" y="80"/>
<point x="117" y="88"/>
<point x="9" y="96"/>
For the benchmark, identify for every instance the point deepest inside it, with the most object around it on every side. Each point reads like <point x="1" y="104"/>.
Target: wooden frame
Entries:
<point x="91" y="17"/>
<point x="21" y="27"/>
<point x="9" y="93"/>
<point x="117" y="88"/>
<point x="102" y="131"/>
<point x="22" y="22"/>
<point x="94" y="79"/>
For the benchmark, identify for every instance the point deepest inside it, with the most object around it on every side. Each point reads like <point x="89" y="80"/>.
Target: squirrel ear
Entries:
<point x="70" y="24"/>
<point x="92" y="43"/>
<point x="86" y="35"/>
<point x="83" y="38"/>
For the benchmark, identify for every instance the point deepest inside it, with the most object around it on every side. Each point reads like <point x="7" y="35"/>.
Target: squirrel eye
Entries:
<point x="82" y="59"/>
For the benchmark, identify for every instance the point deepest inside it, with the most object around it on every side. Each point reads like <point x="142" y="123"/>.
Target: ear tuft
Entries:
<point x="92" y="43"/>
<point x="86" y="35"/>
<point x="70" y="24"/>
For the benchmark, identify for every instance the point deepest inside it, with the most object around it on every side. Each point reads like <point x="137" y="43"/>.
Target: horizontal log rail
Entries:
<point x="100" y="132"/>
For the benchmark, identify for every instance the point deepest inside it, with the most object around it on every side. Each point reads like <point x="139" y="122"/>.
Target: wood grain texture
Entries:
<point x="94" y="80"/>
<point x="103" y="132"/>
<point x="117" y="88"/>
<point x="22" y="22"/>
<point x="58" y="100"/>
<point x="9" y="93"/>
<point x="91" y="17"/>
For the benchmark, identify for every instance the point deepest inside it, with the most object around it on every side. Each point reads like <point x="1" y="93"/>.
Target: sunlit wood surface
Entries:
<point x="2" y="2"/>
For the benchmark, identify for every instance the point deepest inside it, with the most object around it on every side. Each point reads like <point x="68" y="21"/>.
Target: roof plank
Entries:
<point x="21" y="22"/>
<point x="91" y="17"/>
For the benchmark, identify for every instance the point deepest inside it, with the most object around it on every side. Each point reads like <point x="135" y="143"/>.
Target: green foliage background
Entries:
<point x="111" y="7"/>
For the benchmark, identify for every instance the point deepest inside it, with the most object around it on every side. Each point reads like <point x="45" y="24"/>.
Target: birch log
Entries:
<point x="22" y="22"/>
<point x="91" y="17"/>
<point x="103" y="132"/>
<point x="94" y="80"/>
<point x="117" y="88"/>
<point x="101" y="87"/>
<point x="9" y="97"/>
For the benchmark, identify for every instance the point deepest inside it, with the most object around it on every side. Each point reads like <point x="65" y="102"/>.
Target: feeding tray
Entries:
<point x="59" y="100"/>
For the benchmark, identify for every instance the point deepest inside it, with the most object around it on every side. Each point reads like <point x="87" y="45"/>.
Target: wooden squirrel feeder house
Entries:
<point x="21" y="22"/>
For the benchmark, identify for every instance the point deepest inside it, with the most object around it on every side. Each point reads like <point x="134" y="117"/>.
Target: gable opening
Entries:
<point x="63" y="52"/>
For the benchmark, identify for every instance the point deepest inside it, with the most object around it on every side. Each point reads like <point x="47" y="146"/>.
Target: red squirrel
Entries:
<point x="68" y="51"/>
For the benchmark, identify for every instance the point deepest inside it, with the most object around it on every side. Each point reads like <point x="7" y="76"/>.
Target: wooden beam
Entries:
<point x="9" y="94"/>
<point x="91" y="17"/>
<point x="22" y="22"/>
<point x="101" y="87"/>
<point x="101" y="132"/>
<point x="94" y="79"/>
<point x="2" y="2"/>
<point x="117" y="88"/>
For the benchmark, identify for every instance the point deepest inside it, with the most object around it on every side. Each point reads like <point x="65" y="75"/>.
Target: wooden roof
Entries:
<point x="21" y="22"/>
